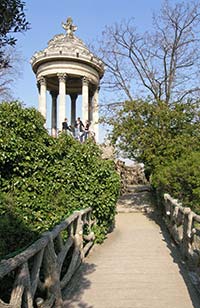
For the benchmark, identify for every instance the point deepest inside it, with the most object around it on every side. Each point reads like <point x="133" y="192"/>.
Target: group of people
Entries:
<point x="80" y="131"/>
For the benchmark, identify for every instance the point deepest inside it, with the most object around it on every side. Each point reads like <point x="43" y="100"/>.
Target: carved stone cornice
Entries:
<point x="67" y="47"/>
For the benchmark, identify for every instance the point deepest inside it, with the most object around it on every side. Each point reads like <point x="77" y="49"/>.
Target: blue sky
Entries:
<point x="46" y="16"/>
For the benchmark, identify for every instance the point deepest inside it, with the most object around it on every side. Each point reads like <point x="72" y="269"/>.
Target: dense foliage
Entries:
<point x="181" y="179"/>
<point x="44" y="179"/>
<point x="156" y="133"/>
<point x="167" y="140"/>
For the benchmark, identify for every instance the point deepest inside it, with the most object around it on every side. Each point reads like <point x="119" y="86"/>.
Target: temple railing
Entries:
<point x="36" y="276"/>
<point x="184" y="226"/>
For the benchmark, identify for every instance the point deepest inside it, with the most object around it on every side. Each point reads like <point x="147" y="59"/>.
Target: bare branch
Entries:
<point x="9" y="73"/>
<point x="164" y="62"/>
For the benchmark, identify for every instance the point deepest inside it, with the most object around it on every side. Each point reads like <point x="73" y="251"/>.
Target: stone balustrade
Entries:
<point x="36" y="276"/>
<point x="67" y="54"/>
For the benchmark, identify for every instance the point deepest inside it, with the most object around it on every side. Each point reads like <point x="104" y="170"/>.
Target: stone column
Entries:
<point x="73" y="108"/>
<point x="42" y="97"/>
<point x="62" y="100"/>
<point x="95" y="114"/>
<point x="85" y="99"/>
<point x="54" y="113"/>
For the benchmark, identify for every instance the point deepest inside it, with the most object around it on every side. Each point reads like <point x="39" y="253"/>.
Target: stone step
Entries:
<point x="136" y="209"/>
<point x="137" y="199"/>
<point x="138" y="188"/>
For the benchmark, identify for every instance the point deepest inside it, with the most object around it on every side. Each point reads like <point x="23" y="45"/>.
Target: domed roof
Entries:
<point x="67" y="47"/>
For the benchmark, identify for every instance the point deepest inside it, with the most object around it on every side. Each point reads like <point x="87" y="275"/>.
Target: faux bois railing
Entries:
<point x="41" y="271"/>
<point x="184" y="226"/>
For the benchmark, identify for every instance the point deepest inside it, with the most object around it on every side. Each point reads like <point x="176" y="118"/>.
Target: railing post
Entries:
<point x="52" y="279"/>
<point x="186" y="233"/>
<point x="38" y="282"/>
<point x="78" y="239"/>
<point x="21" y="294"/>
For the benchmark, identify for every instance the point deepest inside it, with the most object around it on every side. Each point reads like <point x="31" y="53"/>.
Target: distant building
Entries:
<point x="67" y="67"/>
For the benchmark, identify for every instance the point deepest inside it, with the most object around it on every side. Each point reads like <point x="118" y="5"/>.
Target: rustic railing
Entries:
<point x="39" y="273"/>
<point x="184" y="227"/>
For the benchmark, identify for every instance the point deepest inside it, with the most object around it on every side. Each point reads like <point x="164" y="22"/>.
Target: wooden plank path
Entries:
<point x="136" y="267"/>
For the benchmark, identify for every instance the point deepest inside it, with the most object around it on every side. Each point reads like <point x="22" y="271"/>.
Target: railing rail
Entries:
<point x="183" y="225"/>
<point x="40" y="272"/>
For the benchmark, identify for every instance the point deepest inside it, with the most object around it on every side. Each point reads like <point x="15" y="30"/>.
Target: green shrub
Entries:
<point x="181" y="179"/>
<point x="46" y="179"/>
<point x="14" y="233"/>
<point x="156" y="133"/>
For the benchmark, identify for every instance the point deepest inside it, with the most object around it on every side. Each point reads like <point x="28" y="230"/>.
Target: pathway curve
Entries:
<point x="136" y="267"/>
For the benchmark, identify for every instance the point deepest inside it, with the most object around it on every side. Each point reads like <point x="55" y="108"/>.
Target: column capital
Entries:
<point x="41" y="81"/>
<point x="85" y="81"/>
<point x="62" y="76"/>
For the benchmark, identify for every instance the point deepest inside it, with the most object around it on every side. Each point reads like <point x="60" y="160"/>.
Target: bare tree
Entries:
<point x="12" y="21"/>
<point x="10" y="73"/>
<point x="162" y="64"/>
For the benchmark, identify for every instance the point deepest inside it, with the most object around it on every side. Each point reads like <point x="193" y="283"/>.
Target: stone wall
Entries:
<point x="130" y="175"/>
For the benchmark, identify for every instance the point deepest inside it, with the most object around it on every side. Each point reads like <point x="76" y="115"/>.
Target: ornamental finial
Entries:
<point x="69" y="27"/>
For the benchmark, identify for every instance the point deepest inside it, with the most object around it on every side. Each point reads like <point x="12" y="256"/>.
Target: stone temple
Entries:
<point x="67" y="69"/>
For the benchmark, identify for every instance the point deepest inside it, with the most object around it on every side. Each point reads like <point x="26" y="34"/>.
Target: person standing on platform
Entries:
<point x="80" y="129"/>
<point x="65" y="127"/>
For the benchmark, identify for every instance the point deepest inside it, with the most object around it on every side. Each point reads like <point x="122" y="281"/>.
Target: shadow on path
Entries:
<point x="79" y="283"/>
<point x="107" y="280"/>
<point x="175" y="253"/>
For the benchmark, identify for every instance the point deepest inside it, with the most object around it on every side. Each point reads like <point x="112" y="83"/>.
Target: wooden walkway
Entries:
<point x="136" y="267"/>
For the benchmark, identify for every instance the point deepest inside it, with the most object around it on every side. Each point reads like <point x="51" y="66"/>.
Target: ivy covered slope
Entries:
<point x="43" y="180"/>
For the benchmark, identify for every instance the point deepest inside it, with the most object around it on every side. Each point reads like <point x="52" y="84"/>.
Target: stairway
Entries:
<point x="137" y="198"/>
